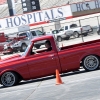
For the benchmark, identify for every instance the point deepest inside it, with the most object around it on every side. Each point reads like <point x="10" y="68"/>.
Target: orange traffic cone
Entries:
<point x="58" y="78"/>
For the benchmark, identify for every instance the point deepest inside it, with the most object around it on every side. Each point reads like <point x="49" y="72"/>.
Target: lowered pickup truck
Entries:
<point x="35" y="63"/>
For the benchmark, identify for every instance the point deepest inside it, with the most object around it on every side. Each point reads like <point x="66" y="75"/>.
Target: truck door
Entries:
<point x="43" y="62"/>
<point x="68" y="31"/>
<point x="69" y="59"/>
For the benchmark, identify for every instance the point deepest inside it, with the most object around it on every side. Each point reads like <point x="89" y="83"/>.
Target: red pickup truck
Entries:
<point x="35" y="63"/>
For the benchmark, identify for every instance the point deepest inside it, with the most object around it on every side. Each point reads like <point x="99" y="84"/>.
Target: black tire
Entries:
<point x="23" y="47"/>
<point x="67" y="38"/>
<point x="76" y="34"/>
<point x="59" y="38"/>
<point x="9" y="79"/>
<point x="98" y="32"/>
<point x="91" y="63"/>
<point x="85" y="34"/>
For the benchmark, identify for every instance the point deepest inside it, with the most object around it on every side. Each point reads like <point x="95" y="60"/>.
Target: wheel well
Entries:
<point x="23" y="43"/>
<point x="86" y="56"/>
<point x="59" y="36"/>
<point x="19" y="76"/>
<point x="75" y="31"/>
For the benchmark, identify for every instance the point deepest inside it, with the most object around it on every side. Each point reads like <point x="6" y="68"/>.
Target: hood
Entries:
<point x="10" y="59"/>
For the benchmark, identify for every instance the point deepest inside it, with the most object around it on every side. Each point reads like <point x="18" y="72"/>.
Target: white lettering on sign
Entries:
<point x="85" y="6"/>
<point x="34" y="17"/>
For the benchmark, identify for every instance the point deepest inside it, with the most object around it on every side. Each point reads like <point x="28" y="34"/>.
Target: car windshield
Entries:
<point x="24" y="53"/>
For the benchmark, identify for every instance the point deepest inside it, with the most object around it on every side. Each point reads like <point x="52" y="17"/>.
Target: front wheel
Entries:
<point x="23" y="47"/>
<point x="91" y="63"/>
<point x="9" y="79"/>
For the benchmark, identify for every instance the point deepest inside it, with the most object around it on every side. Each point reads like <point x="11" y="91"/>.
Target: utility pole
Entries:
<point x="11" y="6"/>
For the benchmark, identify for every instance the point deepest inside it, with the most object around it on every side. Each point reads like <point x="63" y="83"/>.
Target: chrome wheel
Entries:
<point x="91" y="63"/>
<point x="76" y="34"/>
<point x="8" y="79"/>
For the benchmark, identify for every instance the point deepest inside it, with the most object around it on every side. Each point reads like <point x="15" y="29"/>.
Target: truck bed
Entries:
<point x="82" y="44"/>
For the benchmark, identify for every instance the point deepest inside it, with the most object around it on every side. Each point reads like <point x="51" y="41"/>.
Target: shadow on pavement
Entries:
<point x="49" y="77"/>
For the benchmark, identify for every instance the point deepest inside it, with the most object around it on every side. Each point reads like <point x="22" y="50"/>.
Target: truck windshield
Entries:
<point x="23" y="34"/>
<point x="24" y="53"/>
<point x="62" y="29"/>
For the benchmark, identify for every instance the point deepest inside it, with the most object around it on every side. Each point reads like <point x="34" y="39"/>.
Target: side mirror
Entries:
<point x="44" y="33"/>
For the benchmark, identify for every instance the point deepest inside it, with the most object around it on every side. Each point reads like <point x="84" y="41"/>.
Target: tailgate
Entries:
<point x="86" y="28"/>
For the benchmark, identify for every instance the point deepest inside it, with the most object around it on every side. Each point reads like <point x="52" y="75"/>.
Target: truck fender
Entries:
<point x="11" y="70"/>
<point x="87" y="54"/>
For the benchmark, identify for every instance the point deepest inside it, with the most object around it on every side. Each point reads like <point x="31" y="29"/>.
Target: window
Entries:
<point x="39" y="32"/>
<point x="73" y="26"/>
<point x="41" y="46"/>
<point x="66" y="27"/>
<point x="33" y="33"/>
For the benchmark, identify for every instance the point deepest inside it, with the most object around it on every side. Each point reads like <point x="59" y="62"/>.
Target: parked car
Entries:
<point x="40" y="63"/>
<point x="22" y="43"/>
<point x="73" y="30"/>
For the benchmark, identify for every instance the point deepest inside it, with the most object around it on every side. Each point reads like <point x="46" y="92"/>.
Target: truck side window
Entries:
<point x="73" y="26"/>
<point x="41" y="46"/>
<point x="33" y="33"/>
<point x="66" y="27"/>
<point x="39" y="32"/>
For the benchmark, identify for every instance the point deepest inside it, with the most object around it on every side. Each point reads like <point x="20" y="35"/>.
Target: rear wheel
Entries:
<point x="98" y="32"/>
<point x="76" y="34"/>
<point x="67" y="38"/>
<point x="59" y="38"/>
<point x="9" y="79"/>
<point x="91" y="63"/>
<point x="85" y="34"/>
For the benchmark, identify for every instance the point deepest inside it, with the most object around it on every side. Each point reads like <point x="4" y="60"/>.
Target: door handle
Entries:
<point x="51" y="55"/>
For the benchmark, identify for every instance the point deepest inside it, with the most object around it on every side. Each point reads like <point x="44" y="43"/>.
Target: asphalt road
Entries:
<point x="80" y="85"/>
<point x="77" y="86"/>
